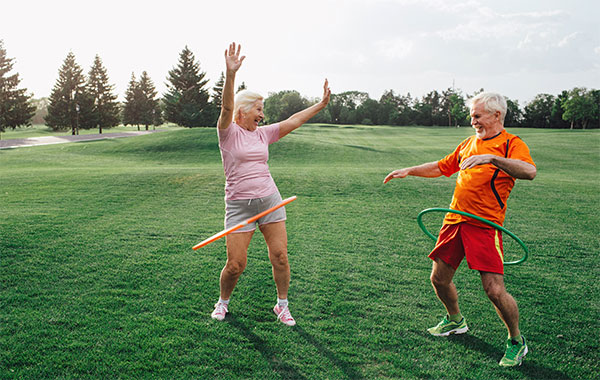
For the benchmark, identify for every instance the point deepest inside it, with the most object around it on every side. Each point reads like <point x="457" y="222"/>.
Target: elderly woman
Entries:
<point x="249" y="187"/>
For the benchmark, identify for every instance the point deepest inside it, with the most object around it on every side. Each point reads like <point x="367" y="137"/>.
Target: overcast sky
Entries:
<point x="518" y="48"/>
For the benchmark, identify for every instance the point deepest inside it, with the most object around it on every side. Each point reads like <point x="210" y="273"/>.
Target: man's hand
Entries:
<point x="473" y="161"/>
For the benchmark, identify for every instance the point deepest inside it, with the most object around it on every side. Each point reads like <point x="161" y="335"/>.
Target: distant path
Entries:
<point x="47" y="140"/>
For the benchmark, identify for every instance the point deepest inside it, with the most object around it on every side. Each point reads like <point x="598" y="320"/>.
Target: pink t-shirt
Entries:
<point x="245" y="154"/>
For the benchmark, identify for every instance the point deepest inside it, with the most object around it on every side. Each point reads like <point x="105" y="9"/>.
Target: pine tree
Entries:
<point x="131" y="111"/>
<point x="186" y="100"/>
<point x="241" y="87"/>
<point x="105" y="110"/>
<point x="15" y="105"/>
<point x="149" y="107"/>
<point x="69" y="99"/>
<point x="217" y="97"/>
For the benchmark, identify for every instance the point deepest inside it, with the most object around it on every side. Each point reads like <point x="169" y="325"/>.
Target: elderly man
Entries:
<point x="487" y="164"/>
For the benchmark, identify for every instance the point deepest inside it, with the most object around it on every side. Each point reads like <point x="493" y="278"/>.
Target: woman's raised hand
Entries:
<point x="326" y="93"/>
<point x="233" y="61"/>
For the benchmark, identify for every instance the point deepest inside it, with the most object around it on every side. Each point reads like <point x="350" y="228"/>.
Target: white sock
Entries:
<point x="226" y="302"/>
<point x="282" y="302"/>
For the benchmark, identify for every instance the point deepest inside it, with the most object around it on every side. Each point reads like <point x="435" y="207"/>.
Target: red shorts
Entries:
<point x="481" y="246"/>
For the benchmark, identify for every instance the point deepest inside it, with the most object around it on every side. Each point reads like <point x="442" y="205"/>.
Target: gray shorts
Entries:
<point x="240" y="210"/>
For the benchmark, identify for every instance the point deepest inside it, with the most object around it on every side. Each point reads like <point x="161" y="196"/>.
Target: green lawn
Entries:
<point x="98" y="278"/>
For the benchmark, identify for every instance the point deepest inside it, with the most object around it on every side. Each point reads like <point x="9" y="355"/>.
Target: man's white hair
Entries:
<point x="492" y="102"/>
<point x="244" y="100"/>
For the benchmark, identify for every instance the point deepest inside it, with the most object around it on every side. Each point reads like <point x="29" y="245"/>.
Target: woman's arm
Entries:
<point x="305" y="115"/>
<point x="233" y="61"/>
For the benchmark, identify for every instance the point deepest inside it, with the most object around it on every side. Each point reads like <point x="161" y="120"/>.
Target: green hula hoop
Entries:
<point x="436" y="209"/>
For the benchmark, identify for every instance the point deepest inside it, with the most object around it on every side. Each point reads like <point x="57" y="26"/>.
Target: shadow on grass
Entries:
<point x="285" y="370"/>
<point x="528" y="368"/>
<point x="343" y="366"/>
<point x="365" y="148"/>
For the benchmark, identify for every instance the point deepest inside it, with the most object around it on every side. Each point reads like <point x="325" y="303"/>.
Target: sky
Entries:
<point x="515" y="47"/>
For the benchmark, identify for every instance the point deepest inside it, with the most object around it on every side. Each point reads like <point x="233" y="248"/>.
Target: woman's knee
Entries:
<point x="279" y="257"/>
<point x="235" y="267"/>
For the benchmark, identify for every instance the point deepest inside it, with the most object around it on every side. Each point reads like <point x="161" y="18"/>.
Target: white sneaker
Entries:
<point x="219" y="312"/>
<point x="283" y="314"/>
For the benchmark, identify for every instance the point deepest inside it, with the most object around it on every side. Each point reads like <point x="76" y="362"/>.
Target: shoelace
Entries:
<point x="285" y="314"/>
<point x="221" y="308"/>
<point x="513" y="350"/>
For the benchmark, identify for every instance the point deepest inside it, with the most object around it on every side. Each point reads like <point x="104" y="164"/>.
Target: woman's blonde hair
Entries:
<point x="244" y="100"/>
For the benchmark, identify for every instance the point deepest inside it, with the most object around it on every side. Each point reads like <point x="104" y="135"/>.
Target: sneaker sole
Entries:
<point x="455" y="332"/>
<point x="523" y="356"/>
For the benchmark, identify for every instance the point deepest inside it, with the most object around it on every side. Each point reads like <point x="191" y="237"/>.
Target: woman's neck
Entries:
<point x="249" y="127"/>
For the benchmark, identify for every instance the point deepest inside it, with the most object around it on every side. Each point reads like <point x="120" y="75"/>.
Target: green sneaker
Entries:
<point x="514" y="353"/>
<point x="447" y="327"/>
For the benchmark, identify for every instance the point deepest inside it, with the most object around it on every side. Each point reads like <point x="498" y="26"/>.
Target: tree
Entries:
<point x="453" y="106"/>
<point x="556" y="115"/>
<point x="214" y="107"/>
<point x="16" y="108"/>
<point x="388" y="107"/>
<point x="595" y="94"/>
<point x="368" y="112"/>
<point x="283" y="104"/>
<point x="433" y="102"/>
<point x="537" y="112"/>
<point x="131" y="109"/>
<point x="458" y="112"/>
<point x="514" y="115"/>
<point x="217" y="97"/>
<point x="68" y="98"/>
<point x="149" y="109"/>
<point x="105" y="110"/>
<point x="241" y="87"/>
<point x="186" y="98"/>
<point x="580" y="108"/>
<point x="342" y="107"/>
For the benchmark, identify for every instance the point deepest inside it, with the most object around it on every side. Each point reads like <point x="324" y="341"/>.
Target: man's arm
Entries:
<point x="430" y="170"/>
<point x="515" y="168"/>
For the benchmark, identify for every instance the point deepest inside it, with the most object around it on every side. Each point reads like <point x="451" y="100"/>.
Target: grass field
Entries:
<point x="98" y="279"/>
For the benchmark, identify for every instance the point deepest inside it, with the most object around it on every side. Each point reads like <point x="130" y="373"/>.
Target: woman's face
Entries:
<point x="254" y="116"/>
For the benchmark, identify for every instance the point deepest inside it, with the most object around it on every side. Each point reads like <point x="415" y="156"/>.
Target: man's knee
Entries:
<point x="441" y="274"/>
<point x="495" y="290"/>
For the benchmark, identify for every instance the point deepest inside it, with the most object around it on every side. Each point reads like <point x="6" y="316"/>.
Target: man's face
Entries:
<point x="486" y="124"/>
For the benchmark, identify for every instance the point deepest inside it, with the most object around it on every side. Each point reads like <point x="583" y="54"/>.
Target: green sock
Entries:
<point x="517" y="338"/>
<point x="455" y="317"/>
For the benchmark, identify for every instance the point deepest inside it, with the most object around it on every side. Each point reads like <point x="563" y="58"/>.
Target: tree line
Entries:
<point x="80" y="101"/>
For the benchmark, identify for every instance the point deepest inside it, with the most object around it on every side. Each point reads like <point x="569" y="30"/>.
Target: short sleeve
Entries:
<point x="224" y="133"/>
<point x="518" y="150"/>
<point x="271" y="132"/>
<point x="450" y="164"/>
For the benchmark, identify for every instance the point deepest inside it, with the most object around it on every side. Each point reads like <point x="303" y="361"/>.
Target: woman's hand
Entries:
<point x="233" y="61"/>
<point x="326" y="93"/>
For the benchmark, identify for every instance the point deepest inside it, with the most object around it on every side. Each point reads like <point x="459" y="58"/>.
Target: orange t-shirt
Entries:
<point x="482" y="190"/>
